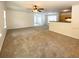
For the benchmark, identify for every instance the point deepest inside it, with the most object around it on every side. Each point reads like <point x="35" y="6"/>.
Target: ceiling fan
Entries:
<point x="36" y="9"/>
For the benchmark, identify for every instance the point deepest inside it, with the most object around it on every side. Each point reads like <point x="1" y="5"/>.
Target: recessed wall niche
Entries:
<point x="65" y="16"/>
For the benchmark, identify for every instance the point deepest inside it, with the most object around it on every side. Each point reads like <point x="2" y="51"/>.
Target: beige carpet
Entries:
<point x="38" y="42"/>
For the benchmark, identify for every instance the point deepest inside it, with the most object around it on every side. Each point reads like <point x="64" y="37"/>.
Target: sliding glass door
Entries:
<point x="38" y="19"/>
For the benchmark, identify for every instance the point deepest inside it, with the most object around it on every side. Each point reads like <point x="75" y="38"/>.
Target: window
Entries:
<point x="5" y="19"/>
<point x="52" y="18"/>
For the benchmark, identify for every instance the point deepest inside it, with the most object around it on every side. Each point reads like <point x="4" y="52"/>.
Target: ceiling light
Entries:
<point x="66" y="10"/>
<point x="68" y="19"/>
<point x="34" y="10"/>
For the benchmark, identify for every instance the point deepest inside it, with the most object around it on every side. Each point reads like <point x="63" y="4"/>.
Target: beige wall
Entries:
<point x="19" y="19"/>
<point x="64" y="28"/>
<point x="69" y="29"/>
<point x="2" y="29"/>
<point x="75" y="16"/>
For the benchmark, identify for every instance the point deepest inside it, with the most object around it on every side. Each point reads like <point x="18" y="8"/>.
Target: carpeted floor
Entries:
<point x="38" y="42"/>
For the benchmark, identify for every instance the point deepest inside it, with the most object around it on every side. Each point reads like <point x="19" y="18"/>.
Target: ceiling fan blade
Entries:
<point x="40" y="11"/>
<point x="41" y="8"/>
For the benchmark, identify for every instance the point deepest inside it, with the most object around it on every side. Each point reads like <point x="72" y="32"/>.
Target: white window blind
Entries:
<point x="52" y="18"/>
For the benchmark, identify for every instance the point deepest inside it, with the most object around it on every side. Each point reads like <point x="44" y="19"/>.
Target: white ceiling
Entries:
<point x="47" y="5"/>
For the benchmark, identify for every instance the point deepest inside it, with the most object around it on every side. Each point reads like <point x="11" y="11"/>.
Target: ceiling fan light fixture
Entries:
<point x="35" y="10"/>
